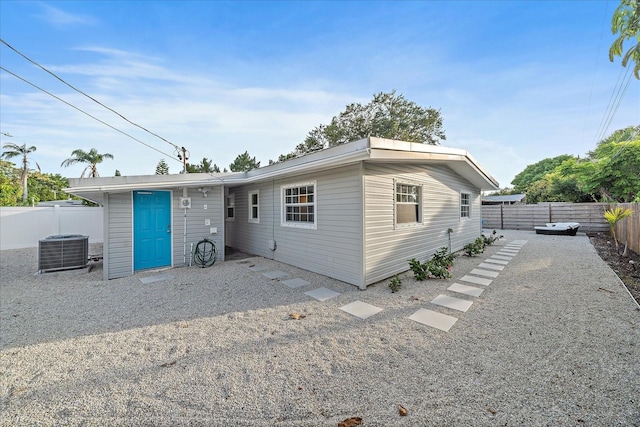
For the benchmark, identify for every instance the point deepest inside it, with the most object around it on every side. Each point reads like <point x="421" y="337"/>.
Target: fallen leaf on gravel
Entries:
<point x="402" y="411"/>
<point x="166" y="365"/>
<point x="296" y="316"/>
<point x="413" y="298"/>
<point x="350" y="422"/>
<point x="493" y="411"/>
<point x="18" y="391"/>
<point x="606" y="290"/>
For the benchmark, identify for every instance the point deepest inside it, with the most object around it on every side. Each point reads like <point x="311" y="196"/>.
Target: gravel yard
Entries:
<point x="553" y="340"/>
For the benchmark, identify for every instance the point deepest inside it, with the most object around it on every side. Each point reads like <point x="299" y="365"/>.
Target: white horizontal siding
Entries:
<point x="388" y="248"/>
<point x="118" y="255"/>
<point x="184" y="236"/>
<point x="333" y="249"/>
<point x="250" y="237"/>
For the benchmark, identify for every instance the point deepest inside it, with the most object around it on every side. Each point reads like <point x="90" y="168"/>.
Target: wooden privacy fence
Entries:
<point x="526" y="217"/>
<point x="628" y="229"/>
<point x="589" y="215"/>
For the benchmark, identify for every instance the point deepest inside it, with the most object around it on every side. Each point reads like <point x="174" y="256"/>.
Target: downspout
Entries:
<point x="363" y="239"/>
<point x="185" y="193"/>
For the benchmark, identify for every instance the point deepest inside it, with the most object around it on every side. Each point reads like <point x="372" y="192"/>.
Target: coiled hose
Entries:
<point x="205" y="253"/>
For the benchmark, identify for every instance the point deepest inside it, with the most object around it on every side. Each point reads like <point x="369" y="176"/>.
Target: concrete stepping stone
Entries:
<point x="259" y="268"/>
<point x="434" y="319"/>
<point x="508" y="251"/>
<point x="156" y="278"/>
<point x="480" y="272"/>
<point x="466" y="290"/>
<point x="491" y="266"/>
<point x="496" y="261"/>
<point x="295" y="283"/>
<point x="476" y="280"/>
<point x="502" y="257"/>
<point x="275" y="274"/>
<point x="452" y="302"/>
<point x="361" y="309"/>
<point x="505" y="254"/>
<point x="322" y="294"/>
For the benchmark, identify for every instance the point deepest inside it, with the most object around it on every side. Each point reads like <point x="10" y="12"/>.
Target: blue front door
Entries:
<point x="151" y="229"/>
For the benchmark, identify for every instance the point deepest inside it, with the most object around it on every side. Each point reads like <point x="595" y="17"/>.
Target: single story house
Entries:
<point x="355" y="212"/>
<point x="509" y="199"/>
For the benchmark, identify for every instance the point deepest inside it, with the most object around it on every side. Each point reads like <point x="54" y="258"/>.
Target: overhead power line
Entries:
<point x="87" y="114"/>
<point x="175" y="146"/>
<point x="622" y="84"/>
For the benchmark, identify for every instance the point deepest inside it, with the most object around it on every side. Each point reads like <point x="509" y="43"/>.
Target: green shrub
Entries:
<point x="395" y="284"/>
<point x="489" y="240"/>
<point x="439" y="266"/>
<point x="419" y="271"/>
<point x="474" y="248"/>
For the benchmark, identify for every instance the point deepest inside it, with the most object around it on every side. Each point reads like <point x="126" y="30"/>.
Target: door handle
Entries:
<point x="168" y="228"/>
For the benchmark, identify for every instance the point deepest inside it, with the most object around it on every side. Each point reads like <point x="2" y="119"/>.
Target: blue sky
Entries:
<point x="515" y="82"/>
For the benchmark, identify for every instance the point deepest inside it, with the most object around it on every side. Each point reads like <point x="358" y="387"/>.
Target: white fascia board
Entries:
<point x="458" y="160"/>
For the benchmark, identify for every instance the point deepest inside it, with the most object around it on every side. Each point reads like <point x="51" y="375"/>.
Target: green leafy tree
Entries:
<point x="91" y="158"/>
<point x="9" y="184"/>
<point x="244" y="163"/>
<point x="117" y="173"/>
<point x="14" y="150"/>
<point x="626" y="24"/>
<point x="205" y="166"/>
<point x="45" y="186"/>
<point x="609" y="173"/>
<point x="387" y="115"/>
<point x="162" y="168"/>
<point x="616" y="174"/>
<point x="536" y="172"/>
<point x="41" y="186"/>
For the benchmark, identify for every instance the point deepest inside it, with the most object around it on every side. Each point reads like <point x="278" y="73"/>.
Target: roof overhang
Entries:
<point x="458" y="160"/>
<point x="367" y="150"/>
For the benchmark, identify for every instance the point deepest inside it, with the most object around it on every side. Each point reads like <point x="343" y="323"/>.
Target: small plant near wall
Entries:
<point x="474" y="248"/>
<point x="439" y="266"/>
<point x="395" y="284"/>
<point x="492" y="238"/>
<point x="419" y="271"/>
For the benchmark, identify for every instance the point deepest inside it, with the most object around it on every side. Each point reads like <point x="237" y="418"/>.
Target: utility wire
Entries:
<point x="614" y="103"/>
<point x="87" y="114"/>
<point x="596" y="62"/>
<point x="88" y="96"/>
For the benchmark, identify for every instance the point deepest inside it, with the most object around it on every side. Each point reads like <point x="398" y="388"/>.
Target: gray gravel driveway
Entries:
<point x="553" y="340"/>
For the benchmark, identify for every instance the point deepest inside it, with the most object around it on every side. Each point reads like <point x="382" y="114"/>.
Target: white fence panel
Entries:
<point x="23" y="227"/>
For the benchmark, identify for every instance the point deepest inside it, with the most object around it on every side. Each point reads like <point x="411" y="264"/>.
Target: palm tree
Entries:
<point x="14" y="150"/>
<point x="91" y="158"/>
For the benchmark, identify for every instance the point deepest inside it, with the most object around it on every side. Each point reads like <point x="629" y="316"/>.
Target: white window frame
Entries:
<point x="254" y="219"/>
<point x="314" y="204"/>
<point x="231" y="204"/>
<point x="467" y="205"/>
<point x="396" y="202"/>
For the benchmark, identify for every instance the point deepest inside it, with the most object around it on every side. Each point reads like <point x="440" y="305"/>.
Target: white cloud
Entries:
<point x="60" y="18"/>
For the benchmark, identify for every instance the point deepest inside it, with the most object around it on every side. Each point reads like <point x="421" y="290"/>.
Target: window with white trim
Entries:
<point x="299" y="205"/>
<point x="254" y="206"/>
<point x="465" y="205"/>
<point x="231" y="207"/>
<point x="408" y="203"/>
